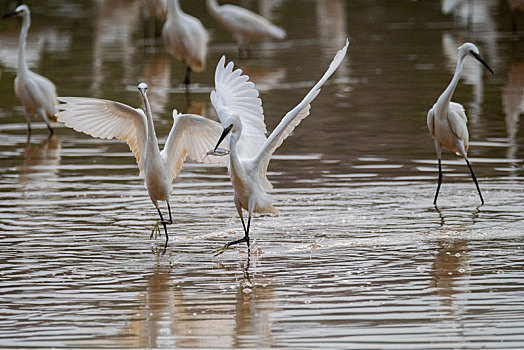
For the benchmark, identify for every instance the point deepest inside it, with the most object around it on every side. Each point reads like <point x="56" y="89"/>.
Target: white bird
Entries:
<point x="185" y="38"/>
<point x="37" y="93"/>
<point x="447" y="121"/>
<point x="191" y="135"/>
<point x="240" y="111"/>
<point x="244" y="25"/>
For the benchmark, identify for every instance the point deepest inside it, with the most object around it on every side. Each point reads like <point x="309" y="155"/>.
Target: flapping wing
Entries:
<point x="106" y="120"/>
<point x="234" y="94"/>
<point x="293" y="117"/>
<point x="191" y="135"/>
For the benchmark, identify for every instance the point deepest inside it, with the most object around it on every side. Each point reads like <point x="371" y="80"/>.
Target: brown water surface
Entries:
<point x="357" y="258"/>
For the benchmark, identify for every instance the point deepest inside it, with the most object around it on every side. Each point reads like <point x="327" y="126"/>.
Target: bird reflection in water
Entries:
<point x="40" y="165"/>
<point x="173" y="314"/>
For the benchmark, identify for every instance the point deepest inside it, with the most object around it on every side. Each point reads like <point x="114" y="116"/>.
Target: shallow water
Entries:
<point x="358" y="256"/>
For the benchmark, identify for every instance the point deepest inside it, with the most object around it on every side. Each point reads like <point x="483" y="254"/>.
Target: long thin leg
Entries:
<point x="170" y="218"/>
<point x="164" y="224"/>
<point x="474" y="180"/>
<point x="439" y="182"/>
<point x="188" y="73"/>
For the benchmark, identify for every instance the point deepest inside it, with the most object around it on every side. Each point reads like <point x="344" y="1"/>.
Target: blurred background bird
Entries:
<point x="244" y="25"/>
<point x="185" y="38"/>
<point x="37" y="93"/>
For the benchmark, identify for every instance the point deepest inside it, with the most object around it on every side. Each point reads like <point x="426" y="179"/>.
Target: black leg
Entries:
<point x="186" y="80"/>
<point x="475" y="180"/>
<point x="439" y="182"/>
<point x="170" y="218"/>
<point x="243" y="239"/>
<point x="164" y="224"/>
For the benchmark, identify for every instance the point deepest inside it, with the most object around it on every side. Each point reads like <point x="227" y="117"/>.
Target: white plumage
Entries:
<point x="244" y="25"/>
<point x="191" y="135"/>
<point x="37" y="93"/>
<point x="240" y="111"/>
<point x="185" y="38"/>
<point x="447" y="121"/>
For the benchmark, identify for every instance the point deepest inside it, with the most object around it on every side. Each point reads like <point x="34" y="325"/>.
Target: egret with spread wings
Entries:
<point x="240" y="111"/>
<point x="447" y="121"/>
<point x="191" y="135"/>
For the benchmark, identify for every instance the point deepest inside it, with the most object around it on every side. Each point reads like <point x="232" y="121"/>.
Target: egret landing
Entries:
<point x="191" y="135"/>
<point x="240" y="111"/>
<point x="447" y="121"/>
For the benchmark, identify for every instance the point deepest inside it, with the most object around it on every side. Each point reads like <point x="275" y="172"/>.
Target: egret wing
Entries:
<point x="431" y="122"/>
<point x="234" y="94"/>
<point x="457" y="121"/>
<point x="106" y="120"/>
<point x="191" y="135"/>
<point x="48" y="91"/>
<point x="293" y="118"/>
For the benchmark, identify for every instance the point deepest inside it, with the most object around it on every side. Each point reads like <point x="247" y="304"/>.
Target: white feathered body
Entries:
<point x="185" y="38"/>
<point x="239" y="108"/>
<point x="244" y="25"/>
<point x="37" y="93"/>
<point x="449" y="127"/>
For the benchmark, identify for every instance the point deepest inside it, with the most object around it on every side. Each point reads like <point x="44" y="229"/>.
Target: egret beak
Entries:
<point x="11" y="14"/>
<point x="481" y="60"/>
<point x="223" y="136"/>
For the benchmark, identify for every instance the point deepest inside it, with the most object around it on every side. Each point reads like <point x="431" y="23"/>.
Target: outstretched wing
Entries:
<point x="234" y="94"/>
<point x="191" y="135"/>
<point x="293" y="118"/>
<point x="106" y="120"/>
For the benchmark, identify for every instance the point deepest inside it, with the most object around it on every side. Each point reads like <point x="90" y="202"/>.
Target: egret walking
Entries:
<point x="185" y="38"/>
<point x="245" y="26"/>
<point x="447" y="121"/>
<point x="240" y="111"/>
<point x="191" y="135"/>
<point x="37" y="93"/>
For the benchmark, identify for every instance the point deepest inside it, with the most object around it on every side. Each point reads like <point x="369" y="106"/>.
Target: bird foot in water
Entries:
<point x="156" y="230"/>
<point x="226" y="246"/>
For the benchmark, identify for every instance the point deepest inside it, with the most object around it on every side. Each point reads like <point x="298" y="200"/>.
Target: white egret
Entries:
<point x="191" y="135"/>
<point x="37" y="93"/>
<point x="245" y="26"/>
<point x="447" y="121"/>
<point x="240" y="111"/>
<point x="185" y="38"/>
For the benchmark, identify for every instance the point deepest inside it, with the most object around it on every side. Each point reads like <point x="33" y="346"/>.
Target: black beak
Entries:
<point x="223" y="136"/>
<point x="11" y="14"/>
<point x="481" y="60"/>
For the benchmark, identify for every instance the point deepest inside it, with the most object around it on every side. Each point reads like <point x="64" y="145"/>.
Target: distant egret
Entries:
<point x="240" y="111"/>
<point x="185" y="38"/>
<point x="447" y="121"/>
<point x="37" y="93"/>
<point x="191" y="135"/>
<point x="244" y="25"/>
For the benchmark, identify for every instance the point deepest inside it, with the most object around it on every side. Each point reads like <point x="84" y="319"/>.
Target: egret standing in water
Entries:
<point x="185" y="38"/>
<point x="240" y="111"/>
<point x="447" y="121"/>
<point x="37" y="93"/>
<point x="244" y="25"/>
<point x="191" y="135"/>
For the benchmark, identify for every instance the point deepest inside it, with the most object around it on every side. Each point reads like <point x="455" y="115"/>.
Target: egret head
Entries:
<point x="473" y="50"/>
<point x="22" y="10"/>
<point x="233" y="125"/>
<point x="142" y="87"/>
